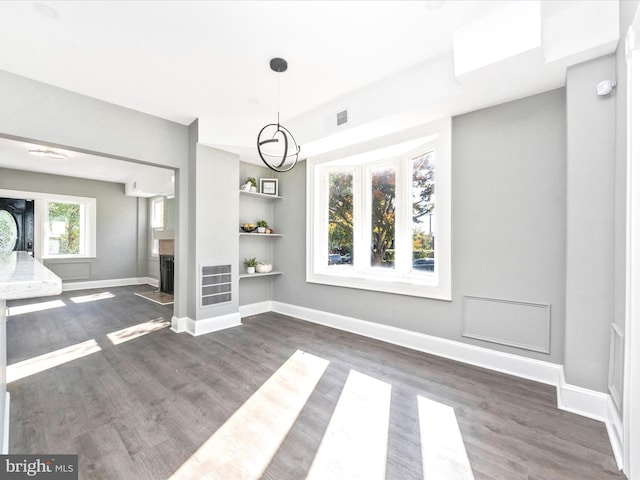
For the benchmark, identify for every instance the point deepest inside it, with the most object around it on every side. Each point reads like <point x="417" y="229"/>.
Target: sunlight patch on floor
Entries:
<point x="245" y="444"/>
<point x="44" y="362"/>
<point x="92" y="298"/>
<point x="34" y="307"/>
<point x="444" y="456"/>
<point x="129" y="333"/>
<point x="354" y="445"/>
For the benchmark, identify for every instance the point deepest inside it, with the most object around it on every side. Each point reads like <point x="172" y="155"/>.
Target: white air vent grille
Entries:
<point x="342" y="117"/>
<point x="216" y="285"/>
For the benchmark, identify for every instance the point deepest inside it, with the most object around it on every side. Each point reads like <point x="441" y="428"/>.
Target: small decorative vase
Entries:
<point x="251" y="269"/>
<point x="254" y="189"/>
<point x="261" y="229"/>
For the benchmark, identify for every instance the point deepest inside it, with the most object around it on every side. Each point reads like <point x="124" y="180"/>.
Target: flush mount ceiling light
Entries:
<point x="276" y="146"/>
<point x="48" y="154"/>
<point x="46" y="11"/>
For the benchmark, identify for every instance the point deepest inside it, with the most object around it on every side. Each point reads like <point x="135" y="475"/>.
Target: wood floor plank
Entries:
<point x="140" y="409"/>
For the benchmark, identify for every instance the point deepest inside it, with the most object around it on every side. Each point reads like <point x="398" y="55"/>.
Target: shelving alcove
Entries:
<point x="254" y="206"/>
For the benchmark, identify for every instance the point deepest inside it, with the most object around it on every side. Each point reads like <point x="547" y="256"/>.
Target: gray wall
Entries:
<point x="215" y="221"/>
<point x="118" y="236"/>
<point x="509" y="180"/>
<point x="46" y="113"/>
<point x="590" y="226"/>
<point x="143" y="252"/>
<point x="53" y="116"/>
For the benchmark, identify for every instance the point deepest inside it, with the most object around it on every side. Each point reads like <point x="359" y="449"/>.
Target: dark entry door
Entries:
<point x="16" y="224"/>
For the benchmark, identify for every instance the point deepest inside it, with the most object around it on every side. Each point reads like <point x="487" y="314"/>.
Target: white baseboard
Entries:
<point x="588" y="403"/>
<point x="213" y="324"/>
<point x="544" y="372"/>
<point x="256" y="308"/>
<point x="178" y="324"/>
<point x="115" y="282"/>
<point x="615" y="431"/>
<point x="582" y="401"/>
<point x="7" y="417"/>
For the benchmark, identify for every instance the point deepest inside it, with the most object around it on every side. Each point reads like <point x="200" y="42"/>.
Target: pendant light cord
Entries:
<point x="278" y="100"/>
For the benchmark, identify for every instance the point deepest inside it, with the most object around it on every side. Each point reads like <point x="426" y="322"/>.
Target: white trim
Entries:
<point x="631" y="382"/>
<point x="581" y="401"/>
<point x="256" y="308"/>
<point x="7" y="417"/>
<point x="212" y="324"/>
<point x="615" y="432"/>
<point x="115" y="282"/>
<point x="537" y="370"/>
<point x="178" y="324"/>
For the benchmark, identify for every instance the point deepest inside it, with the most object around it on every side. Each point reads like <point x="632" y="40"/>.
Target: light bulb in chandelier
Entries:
<point x="276" y="146"/>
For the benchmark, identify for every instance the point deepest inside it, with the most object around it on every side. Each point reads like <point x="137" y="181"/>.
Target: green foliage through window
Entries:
<point x="64" y="228"/>
<point x="341" y="213"/>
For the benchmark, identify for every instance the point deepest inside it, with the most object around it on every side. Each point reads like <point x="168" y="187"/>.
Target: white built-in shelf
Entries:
<point x="255" y="275"/>
<point x="247" y="234"/>
<point x="258" y="195"/>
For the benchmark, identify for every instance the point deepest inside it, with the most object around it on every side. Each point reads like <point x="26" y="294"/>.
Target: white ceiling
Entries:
<point x="182" y="60"/>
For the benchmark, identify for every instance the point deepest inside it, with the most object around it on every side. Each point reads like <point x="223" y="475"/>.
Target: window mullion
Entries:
<point x="403" y="216"/>
<point x="362" y="218"/>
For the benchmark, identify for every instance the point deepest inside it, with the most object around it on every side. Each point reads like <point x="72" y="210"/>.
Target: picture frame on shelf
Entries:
<point x="269" y="186"/>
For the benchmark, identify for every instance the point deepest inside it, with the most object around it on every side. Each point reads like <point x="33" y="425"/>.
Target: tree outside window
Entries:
<point x="64" y="228"/>
<point x="383" y="217"/>
<point x="423" y="209"/>
<point x="379" y="219"/>
<point x="341" y="216"/>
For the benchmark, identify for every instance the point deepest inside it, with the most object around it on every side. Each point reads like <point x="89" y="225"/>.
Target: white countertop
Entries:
<point x="21" y="276"/>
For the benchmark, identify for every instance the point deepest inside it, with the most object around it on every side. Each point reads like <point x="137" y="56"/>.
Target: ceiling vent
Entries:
<point x="342" y="117"/>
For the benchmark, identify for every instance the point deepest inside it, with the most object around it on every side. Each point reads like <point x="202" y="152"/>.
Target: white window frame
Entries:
<point x="361" y="159"/>
<point x="153" y="219"/>
<point x="154" y="248"/>
<point x="40" y="214"/>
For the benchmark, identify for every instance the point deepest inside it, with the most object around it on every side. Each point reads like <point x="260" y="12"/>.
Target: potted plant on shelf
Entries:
<point x="250" y="185"/>
<point x="251" y="264"/>
<point x="262" y="226"/>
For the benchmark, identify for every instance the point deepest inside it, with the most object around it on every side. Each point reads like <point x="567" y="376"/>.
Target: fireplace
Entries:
<point x="166" y="265"/>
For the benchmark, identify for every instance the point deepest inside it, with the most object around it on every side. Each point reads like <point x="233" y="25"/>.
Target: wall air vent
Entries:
<point x="342" y="117"/>
<point x="216" y="285"/>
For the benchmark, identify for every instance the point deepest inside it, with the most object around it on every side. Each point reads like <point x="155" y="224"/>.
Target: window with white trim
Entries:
<point x="68" y="226"/>
<point x="157" y="213"/>
<point x="379" y="218"/>
<point x="157" y="223"/>
<point x="64" y="225"/>
<point x="64" y="232"/>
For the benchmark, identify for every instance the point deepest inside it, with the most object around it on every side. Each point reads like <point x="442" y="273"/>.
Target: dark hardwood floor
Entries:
<point x="241" y="403"/>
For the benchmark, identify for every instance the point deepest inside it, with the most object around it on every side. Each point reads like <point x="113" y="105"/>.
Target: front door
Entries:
<point x="16" y="224"/>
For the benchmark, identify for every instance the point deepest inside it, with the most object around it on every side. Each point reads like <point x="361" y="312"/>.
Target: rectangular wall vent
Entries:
<point x="342" y="117"/>
<point x="216" y="285"/>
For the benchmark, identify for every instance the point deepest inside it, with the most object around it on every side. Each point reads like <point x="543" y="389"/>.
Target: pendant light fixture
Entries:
<point x="276" y="146"/>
